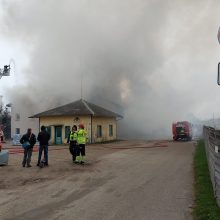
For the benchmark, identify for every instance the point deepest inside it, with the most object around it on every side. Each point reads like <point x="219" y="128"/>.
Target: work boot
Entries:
<point x="78" y="159"/>
<point x="23" y="163"/>
<point x="83" y="159"/>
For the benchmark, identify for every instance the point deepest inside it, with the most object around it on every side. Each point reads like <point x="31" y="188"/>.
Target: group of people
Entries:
<point x="43" y="138"/>
<point x="76" y="141"/>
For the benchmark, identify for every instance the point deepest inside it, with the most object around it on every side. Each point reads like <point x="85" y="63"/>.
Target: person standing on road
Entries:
<point x="30" y="139"/>
<point x="72" y="140"/>
<point x="81" y="140"/>
<point x="1" y="135"/>
<point x="43" y="138"/>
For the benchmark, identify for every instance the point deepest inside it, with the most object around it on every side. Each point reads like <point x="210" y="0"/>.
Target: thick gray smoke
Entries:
<point x="152" y="61"/>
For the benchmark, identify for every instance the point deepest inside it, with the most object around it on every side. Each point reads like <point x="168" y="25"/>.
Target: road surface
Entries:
<point x="127" y="180"/>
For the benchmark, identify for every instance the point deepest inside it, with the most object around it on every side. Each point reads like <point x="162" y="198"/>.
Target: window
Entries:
<point x="17" y="131"/>
<point x="110" y="130"/>
<point x="48" y="129"/>
<point x="17" y="117"/>
<point x="67" y="131"/>
<point x="99" y="131"/>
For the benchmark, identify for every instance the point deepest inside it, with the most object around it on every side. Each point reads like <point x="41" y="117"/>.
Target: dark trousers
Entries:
<point x="73" y="149"/>
<point x="41" y="149"/>
<point x="27" y="156"/>
<point x="81" y="150"/>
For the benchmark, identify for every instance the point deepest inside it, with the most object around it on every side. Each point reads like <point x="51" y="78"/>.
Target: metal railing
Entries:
<point x="212" y="145"/>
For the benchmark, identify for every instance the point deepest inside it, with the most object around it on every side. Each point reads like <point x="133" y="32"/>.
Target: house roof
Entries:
<point x="79" y="107"/>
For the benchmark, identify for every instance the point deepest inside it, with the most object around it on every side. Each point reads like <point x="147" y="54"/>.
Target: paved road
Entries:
<point x="152" y="183"/>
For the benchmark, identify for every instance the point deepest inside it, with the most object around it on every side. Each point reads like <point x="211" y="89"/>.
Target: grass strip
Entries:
<point x="205" y="207"/>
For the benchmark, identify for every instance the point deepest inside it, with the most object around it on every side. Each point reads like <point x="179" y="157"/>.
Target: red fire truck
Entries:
<point x="182" y="131"/>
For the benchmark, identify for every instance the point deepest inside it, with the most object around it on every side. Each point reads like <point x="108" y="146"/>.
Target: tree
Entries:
<point x="5" y="121"/>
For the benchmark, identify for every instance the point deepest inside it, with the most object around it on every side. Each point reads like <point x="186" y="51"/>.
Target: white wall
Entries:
<point x="24" y="123"/>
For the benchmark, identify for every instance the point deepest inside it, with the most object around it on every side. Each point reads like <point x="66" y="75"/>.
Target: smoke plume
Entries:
<point x="152" y="61"/>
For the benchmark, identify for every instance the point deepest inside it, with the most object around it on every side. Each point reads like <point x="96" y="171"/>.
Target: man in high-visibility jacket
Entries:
<point x="72" y="139"/>
<point x="81" y="140"/>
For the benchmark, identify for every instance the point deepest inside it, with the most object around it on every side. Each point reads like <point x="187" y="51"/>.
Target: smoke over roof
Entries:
<point x="152" y="61"/>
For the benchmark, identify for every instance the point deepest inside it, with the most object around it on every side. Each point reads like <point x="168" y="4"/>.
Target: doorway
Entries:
<point x="58" y="134"/>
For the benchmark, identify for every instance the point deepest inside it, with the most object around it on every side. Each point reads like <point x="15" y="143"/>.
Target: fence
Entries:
<point x="212" y="144"/>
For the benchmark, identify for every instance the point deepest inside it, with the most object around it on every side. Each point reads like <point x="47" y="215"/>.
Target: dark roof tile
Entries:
<point x="80" y="107"/>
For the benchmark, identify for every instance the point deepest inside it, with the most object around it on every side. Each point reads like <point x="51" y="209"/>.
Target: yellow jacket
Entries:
<point x="81" y="136"/>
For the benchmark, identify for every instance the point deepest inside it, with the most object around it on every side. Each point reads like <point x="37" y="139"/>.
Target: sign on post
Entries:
<point x="218" y="76"/>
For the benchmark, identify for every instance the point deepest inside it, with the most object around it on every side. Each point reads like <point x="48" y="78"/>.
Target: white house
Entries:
<point x="20" y="121"/>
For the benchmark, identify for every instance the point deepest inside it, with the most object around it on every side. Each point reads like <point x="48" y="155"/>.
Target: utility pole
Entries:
<point x="81" y="89"/>
<point x="81" y="86"/>
<point x="218" y="78"/>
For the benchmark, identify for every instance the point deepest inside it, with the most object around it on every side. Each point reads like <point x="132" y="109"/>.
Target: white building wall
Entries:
<point x="22" y="123"/>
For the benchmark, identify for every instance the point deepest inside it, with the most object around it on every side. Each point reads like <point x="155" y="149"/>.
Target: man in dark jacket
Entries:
<point x="72" y="139"/>
<point x="29" y="138"/>
<point x="43" y="138"/>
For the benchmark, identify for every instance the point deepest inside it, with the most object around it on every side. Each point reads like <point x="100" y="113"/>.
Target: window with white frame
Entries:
<point x="17" y="117"/>
<point x="110" y="130"/>
<point x="99" y="131"/>
<point x="67" y="131"/>
<point x="48" y="129"/>
<point x="17" y="130"/>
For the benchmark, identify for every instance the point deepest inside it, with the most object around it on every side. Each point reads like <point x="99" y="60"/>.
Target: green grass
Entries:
<point x="205" y="207"/>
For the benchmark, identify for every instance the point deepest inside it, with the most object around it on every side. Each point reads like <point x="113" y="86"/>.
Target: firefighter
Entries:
<point x="81" y="140"/>
<point x="72" y="140"/>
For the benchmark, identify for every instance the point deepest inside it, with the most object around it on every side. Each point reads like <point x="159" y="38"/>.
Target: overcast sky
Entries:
<point x="154" y="61"/>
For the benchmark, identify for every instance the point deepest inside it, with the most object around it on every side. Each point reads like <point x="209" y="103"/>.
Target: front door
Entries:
<point x="58" y="135"/>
